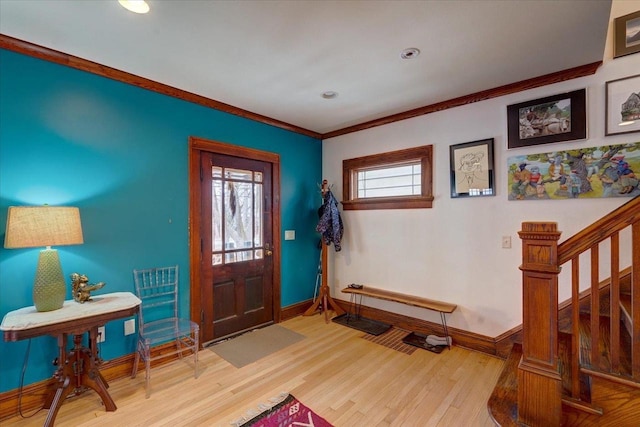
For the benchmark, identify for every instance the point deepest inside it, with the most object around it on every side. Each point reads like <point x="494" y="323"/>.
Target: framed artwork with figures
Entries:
<point x="581" y="173"/>
<point x="557" y="118"/>
<point x="472" y="169"/>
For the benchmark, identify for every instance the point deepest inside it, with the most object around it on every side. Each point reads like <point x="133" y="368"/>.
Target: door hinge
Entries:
<point x="201" y="317"/>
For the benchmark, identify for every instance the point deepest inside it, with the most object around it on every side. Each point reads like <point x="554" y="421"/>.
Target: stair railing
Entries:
<point x="539" y="380"/>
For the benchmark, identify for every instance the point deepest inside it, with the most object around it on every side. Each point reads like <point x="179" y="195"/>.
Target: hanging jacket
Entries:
<point x="330" y="223"/>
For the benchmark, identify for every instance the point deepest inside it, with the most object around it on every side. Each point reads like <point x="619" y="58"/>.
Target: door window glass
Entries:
<point x="237" y="209"/>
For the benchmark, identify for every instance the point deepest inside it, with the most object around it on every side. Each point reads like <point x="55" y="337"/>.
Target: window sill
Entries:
<point x="389" y="203"/>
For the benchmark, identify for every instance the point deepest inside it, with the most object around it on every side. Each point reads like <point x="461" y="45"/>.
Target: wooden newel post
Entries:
<point x="539" y="382"/>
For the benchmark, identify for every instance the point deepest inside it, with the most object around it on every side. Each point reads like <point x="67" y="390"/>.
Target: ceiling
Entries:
<point x="276" y="58"/>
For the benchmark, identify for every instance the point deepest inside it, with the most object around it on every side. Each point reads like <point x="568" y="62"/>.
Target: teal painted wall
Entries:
<point x="120" y="153"/>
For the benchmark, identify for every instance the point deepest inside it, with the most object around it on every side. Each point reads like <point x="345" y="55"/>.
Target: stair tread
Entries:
<point x="604" y="346"/>
<point x="503" y="403"/>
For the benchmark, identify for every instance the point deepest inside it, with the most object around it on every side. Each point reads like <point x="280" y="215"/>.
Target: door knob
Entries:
<point x="267" y="251"/>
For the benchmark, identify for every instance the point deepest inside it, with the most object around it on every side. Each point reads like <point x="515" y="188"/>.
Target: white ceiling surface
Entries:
<point x="276" y="58"/>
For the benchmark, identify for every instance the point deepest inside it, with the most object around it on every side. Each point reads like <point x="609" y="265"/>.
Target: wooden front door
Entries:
<point x="236" y="274"/>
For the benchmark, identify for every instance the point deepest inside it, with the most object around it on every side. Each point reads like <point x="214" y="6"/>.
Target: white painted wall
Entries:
<point x="453" y="251"/>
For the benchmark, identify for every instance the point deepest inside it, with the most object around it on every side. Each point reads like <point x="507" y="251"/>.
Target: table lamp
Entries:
<point x="33" y="226"/>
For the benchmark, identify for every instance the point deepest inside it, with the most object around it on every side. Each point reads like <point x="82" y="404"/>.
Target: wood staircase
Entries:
<point x="574" y="367"/>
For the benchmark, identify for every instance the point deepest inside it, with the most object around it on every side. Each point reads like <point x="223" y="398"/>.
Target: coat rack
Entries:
<point x="324" y="296"/>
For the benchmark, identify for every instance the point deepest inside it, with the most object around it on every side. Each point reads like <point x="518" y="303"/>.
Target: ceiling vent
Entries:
<point x="410" y="53"/>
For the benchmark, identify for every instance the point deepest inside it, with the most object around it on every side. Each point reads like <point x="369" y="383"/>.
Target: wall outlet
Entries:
<point x="129" y="326"/>
<point x="506" y="242"/>
<point x="101" y="334"/>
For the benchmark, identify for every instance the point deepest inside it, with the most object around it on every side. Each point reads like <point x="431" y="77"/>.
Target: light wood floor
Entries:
<point x="345" y="379"/>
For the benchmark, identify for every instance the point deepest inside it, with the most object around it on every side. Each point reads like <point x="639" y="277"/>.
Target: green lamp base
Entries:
<point x="49" y="288"/>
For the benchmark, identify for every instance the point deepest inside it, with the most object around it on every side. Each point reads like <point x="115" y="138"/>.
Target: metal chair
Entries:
<point x="158" y="320"/>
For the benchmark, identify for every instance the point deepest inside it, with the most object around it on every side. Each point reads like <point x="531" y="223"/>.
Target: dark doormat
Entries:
<point x="363" y="324"/>
<point x="420" y="340"/>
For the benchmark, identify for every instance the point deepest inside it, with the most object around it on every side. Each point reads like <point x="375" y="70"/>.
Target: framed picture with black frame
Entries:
<point x="556" y="118"/>
<point x="472" y="171"/>
<point x="626" y="34"/>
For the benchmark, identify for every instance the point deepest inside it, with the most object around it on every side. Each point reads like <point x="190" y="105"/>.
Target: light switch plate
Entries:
<point x="506" y="242"/>
<point x="290" y="235"/>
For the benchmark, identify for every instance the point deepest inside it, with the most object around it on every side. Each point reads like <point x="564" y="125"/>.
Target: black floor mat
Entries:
<point x="420" y="340"/>
<point x="363" y="324"/>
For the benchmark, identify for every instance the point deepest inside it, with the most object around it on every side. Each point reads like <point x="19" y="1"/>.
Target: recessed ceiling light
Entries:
<point x="410" y="53"/>
<point x="137" y="6"/>
<point x="330" y="94"/>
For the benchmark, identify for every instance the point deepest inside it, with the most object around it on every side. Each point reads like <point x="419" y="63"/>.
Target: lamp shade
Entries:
<point x="34" y="226"/>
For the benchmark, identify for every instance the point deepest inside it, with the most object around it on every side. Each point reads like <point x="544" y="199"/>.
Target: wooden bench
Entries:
<point x="439" y="306"/>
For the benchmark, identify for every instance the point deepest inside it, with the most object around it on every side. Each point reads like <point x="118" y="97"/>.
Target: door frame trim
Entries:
<point x="196" y="146"/>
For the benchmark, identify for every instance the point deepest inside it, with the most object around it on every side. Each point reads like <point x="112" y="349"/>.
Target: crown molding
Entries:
<point x="44" y="53"/>
<point x="547" y="79"/>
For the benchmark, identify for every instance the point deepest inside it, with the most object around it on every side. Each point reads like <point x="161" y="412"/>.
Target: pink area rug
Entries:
<point x="289" y="412"/>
